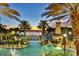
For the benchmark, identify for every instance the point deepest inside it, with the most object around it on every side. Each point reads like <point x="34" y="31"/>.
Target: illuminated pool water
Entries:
<point x="34" y="49"/>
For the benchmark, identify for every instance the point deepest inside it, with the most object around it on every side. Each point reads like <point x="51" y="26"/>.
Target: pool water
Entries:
<point x="34" y="49"/>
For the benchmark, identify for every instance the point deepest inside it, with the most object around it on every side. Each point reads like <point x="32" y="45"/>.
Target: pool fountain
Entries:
<point x="12" y="51"/>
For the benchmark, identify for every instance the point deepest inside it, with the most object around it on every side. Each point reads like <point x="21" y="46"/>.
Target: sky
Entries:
<point x="28" y="11"/>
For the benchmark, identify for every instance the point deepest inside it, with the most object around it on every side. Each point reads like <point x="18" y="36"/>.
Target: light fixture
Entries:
<point x="70" y="32"/>
<point x="65" y="35"/>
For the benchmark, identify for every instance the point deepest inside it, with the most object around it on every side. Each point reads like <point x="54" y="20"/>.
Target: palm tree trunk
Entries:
<point x="6" y="36"/>
<point x="70" y="44"/>
<point x="1" y="36"/>
<point x="77" y="46"/>
<point x="64" y="44"/>
<point x="24" y="32"/>
<point x="75" y="27"/>
<point x="43" y="31"/>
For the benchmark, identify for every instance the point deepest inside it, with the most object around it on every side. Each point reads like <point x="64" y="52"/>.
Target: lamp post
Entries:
<point x="70" y="37"/>
<point x="64" y="43"/>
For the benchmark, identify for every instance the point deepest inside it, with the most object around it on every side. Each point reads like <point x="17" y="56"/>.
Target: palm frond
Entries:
<point x="4" y="4"/>
<point x="66" y="5"/>
<point x="6" y="14"/>
<point x="53" y="13"/>
<point x="11" y="11"/>
<point x="16" y="18"/>
<point x="58" y="17"/>
<point x="68" y="20"/>
<point x="42" y="24"/>
<point x="55" y="6"/>
<point x="49" y="13"/>
<point x="24" y="25"/>
<point x="39" y="26"/>
<point x="9" y="15"/>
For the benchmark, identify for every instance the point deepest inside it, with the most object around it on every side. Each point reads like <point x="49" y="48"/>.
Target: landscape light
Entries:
<point x="70" y="32"/>
<point x="65" y="35"/>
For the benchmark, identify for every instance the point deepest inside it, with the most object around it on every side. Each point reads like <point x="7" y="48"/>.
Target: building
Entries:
<point x="34" y="31"/>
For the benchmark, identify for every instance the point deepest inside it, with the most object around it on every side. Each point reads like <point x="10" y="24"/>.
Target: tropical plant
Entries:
<point x="16" y="29"/>
<point x="43" y="25"/>
<point x="24" y="26"/>
<point x="61" y="10"/>
<point x="6" y="11"/>
<point x="50" y="29"/>
<point x="3" y="30"/>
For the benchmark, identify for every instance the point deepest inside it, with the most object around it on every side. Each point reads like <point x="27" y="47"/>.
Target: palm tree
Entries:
<point x="43" y="25"/>
<point x="24" y="26"/>
<point x="50" y="29"/>
<point x="2" y="30"/>
<point x="12" y="31"/>
<point x="6" y="11"/>
<point x="61" y="10"/>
